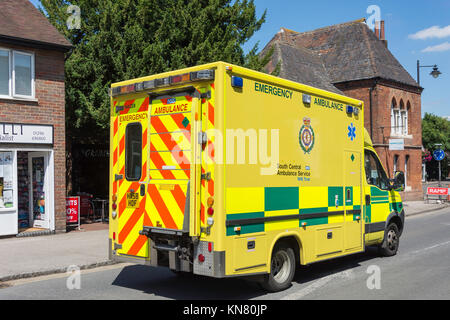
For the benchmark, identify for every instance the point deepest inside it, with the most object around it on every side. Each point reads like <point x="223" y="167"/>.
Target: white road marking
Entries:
<point x="430" y="248"/>
<point x="348" y="274"/>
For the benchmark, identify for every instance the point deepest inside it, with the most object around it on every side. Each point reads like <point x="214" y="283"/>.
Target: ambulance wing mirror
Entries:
<point x="398" y="183"/>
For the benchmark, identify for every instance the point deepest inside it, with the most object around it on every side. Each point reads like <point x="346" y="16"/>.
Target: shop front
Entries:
<point x="26" y="179"/>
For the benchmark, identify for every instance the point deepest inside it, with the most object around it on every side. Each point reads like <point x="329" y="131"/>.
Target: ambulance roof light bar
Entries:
<point x="201" y="75"/>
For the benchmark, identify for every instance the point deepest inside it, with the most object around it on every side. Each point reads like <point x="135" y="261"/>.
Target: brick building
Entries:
<point x="32" y="121"/>
<point x="353" y="60"/>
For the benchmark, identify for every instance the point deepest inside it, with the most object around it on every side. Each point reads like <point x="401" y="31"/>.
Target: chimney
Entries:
<point x="377" y="29"/>
<point x="382" y="34"/>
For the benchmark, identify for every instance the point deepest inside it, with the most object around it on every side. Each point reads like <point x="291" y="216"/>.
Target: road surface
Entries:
<point x="420" y="270"/>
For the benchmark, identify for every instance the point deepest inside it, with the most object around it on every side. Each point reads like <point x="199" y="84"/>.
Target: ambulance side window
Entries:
<point x="375" y="174"/>
<point x="133" y="152"/>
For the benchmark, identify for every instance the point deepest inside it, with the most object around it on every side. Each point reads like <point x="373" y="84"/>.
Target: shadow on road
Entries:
<point x="164" y="284"/>
<point x="313" y="272"/>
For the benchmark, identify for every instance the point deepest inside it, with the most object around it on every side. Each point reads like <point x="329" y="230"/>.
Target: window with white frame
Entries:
<point x="16" y="74"/>
<point x="394" y="117"/>
<point x="399" y="119"/>
<point x="404" y="126"/>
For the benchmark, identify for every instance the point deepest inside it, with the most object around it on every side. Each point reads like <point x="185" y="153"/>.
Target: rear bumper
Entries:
<point x="168" y="256"/>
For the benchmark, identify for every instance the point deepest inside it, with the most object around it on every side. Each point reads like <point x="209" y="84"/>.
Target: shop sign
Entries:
<point x="73" y="207"/>
<point x="25" y="133"/>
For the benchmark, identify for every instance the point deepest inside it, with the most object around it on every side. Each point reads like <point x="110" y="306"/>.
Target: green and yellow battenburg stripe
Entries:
<point x="253" y="210"/>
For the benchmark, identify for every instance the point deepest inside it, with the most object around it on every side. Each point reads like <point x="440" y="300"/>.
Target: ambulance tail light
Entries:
<point x="201" y="258"/>
<point x="163" y="82"/>
<point x="149" y="84"/>
<point x="123" y="90"/>
<point x="201" y="75"/>
<point x="114" y="206"/>
<point x="180" y="78"/>
<point x="210" y="203"/>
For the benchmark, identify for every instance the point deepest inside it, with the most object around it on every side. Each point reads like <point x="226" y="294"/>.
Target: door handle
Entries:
<point x="142" y="190"/>
<point x="367" y="200"/>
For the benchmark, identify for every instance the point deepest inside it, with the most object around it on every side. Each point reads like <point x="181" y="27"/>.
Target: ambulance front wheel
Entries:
<point x="282" y="269"/>
<point x="391" y="242"/>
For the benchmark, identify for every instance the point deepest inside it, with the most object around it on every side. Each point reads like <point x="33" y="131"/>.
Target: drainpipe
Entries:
<point x="371" y="105"/>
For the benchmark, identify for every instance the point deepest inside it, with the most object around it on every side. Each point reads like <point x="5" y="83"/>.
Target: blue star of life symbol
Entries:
<point x="352" y="132"/>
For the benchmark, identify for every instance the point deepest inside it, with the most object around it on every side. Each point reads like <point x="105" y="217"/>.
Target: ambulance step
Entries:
<point x="147" y="231"/>
<point x="166" y="247"/>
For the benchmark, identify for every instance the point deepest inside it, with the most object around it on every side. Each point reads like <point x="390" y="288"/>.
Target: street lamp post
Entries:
<point x="435" y="73"/>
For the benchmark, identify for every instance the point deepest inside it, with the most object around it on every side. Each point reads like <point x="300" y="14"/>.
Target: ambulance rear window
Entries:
<point x="133" y="152"/>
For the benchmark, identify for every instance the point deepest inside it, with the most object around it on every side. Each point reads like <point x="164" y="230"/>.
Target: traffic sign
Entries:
<point x="438" y="191"/>
<point x="439" y="155"/>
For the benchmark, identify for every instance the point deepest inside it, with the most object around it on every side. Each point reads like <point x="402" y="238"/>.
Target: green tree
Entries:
<point x="436" y="130"/>
<point x="125" y="39"/>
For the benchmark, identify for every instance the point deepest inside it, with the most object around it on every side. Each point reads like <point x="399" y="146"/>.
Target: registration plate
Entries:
<point x="132" y="200"/>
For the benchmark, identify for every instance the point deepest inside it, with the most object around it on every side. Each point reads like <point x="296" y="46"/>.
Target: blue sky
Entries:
<point x="415" y="30"/>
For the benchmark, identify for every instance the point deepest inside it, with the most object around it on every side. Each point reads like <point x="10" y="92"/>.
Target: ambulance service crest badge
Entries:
<point x="307" y="137"/>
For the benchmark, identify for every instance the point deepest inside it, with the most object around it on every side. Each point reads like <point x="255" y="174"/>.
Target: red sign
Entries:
<point x="73" y="209"/>
<point x="438" y="191"/>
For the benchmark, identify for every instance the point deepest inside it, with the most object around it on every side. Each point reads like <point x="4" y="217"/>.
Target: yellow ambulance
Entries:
<point x="222" y="171"/>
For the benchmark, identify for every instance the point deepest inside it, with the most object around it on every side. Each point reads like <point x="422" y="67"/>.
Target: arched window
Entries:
<point x="408" y="117"/>
<point x="399" y="118"/>
<point x="394" y="117"/>
<point x="403" y="119"/>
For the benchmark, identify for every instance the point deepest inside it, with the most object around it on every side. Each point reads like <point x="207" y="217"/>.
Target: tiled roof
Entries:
<point x="20" y="20"/>
<point x="303" y="66"/>
<point x="348" y="52"/>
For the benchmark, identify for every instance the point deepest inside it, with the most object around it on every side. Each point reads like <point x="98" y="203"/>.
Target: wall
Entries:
<point x="382" y="96"/>
<point x="49" y="108"/>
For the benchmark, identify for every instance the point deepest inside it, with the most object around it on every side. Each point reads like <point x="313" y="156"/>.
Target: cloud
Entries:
<point x="438" y="48"/>
<point x="433" y="32"/>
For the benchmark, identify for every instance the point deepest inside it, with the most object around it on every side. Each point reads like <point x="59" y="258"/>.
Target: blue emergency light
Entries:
<point x="349" y="109"/>
<point x="237" y="82"/>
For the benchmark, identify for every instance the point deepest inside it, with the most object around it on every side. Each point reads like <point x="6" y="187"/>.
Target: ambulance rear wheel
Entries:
<point x="282" y="269"/>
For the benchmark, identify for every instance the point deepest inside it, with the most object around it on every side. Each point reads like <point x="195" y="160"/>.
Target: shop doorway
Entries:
<point x="26" y="192"/>
<point x="39" y="189"/>
<point x="35" y="203"/>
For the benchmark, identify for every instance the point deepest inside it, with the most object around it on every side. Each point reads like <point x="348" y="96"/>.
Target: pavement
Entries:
<point x="418" y="207"/>
<point x="29" y="257"/>
<point x="87" y="249"/>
